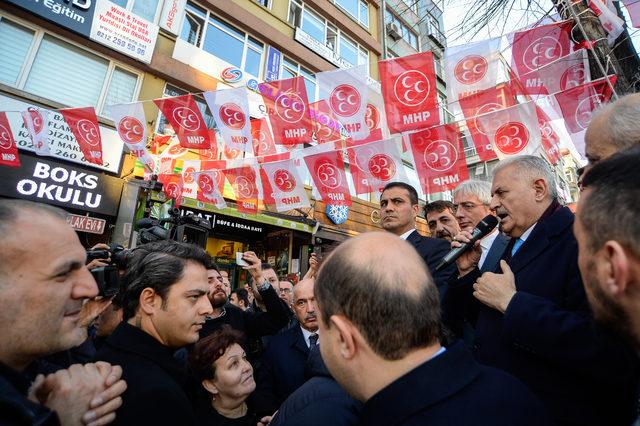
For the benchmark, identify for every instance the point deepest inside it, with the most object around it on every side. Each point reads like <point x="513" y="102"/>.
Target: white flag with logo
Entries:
<point x="512" y="131"/>
<point x="230" y="109"/>
<point x="375" y="164"/>
<point x="189" y="184"/>
<point x="209" y="185"/>
<point x="36" y="120"/>
<point x="567" y="72"/>
<point x="346" y="94"/>
<point x="471" y="67"/>
<point x="131" y="125"/>
<point x="611" y="22"/>
<point x="287" y="185"/>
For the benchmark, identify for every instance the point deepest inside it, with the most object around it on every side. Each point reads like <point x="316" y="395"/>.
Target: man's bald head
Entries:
<point x="613" y="128"/>
<point x="380" y="283"/>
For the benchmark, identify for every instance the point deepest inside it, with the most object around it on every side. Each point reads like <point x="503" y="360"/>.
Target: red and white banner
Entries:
<point x="375" y="164"/>
<point x="172" y="186"/>
<point x="536" y="47"/>
<point x="262" y="138"/>
<point x="288" y="109"/>
<point x="484" y="102"/>
<point x="633" y="7"/>
<point x="244" y="181"/>
<point x="190" y="186"/>
<point x="438" y="155"/>
<point x="549" y="139"/>
<point x="346" y="91"/>
<point x="230" y="109"/>
<point x="471" y="67"/>
<point x="326" y="127"/>
<point x="577" y="104"/>
<point x="286" y="184"/>
<point x="375" y="119"/>
<point x="36" y="121"/>
<point x="512" y="131"/>
<point x="184" y="116"/>
<point x="210" y="187"/>
<point x="131" y="126"/>
<point x="567" y="72"/>
<point x="328" y="174"/>
<point x="8" y="147"/>
<point x="611" y="22"/>
<point x="84" y="126"/>
<point x="409" y="92"/>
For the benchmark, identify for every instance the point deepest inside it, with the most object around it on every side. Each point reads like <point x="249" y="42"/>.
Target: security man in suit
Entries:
<point x="398" y="211"/>
<point x="532" y="317"/>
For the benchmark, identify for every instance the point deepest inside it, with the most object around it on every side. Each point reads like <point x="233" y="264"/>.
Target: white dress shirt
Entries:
<point x="485" y="245"/>
<point x="406" y="234"/>
<point x="306" y="333"/>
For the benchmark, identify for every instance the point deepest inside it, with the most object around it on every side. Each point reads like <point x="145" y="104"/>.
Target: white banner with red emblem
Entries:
<point x="471" y="67"/>
<point x="375" y="164"/>
<point x="131" y="125"/>
<point x="230" y="110"/>
<point x="286" y="184"/>
<point x="210" y="187"/>
<point x="36" y="121"/>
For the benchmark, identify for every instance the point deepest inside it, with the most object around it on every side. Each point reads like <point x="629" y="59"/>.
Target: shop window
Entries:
<point x="222" y="40"/>
<point x="33" y="60"/>
<point x="146" y="9"/>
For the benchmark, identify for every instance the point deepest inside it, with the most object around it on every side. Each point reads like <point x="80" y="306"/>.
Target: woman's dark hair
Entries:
<point x="206" y="351"/>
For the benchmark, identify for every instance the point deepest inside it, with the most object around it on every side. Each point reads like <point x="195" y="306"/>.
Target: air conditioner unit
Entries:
<point x="394" y="31"/>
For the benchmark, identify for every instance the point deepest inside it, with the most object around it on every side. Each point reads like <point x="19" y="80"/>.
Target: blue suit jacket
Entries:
<point x="453" y="389"/>
<point x="547" y="337"/>
<point x="282" y="370"/>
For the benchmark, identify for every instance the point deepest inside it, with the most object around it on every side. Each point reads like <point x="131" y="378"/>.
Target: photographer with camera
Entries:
<point x="44" y="284"/>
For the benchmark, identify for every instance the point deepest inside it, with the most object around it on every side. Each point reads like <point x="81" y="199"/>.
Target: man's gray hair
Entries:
<point x="531" y="168"/>
<point x="623" y="121"/>
<point x="479" y="188"/>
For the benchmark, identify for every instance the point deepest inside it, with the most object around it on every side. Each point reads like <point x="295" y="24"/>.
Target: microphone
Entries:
<point x="484" y="227"/>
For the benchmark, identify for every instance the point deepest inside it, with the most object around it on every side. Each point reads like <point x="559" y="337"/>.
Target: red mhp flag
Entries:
<point x="539" y="46"/>
<point x="494" y="99"/>
<point x="8" y="147"/>
<point x="512" y="131"/>
<point x="184" y="116"/>
<point x="158" y="142"/>
<point x="549" y="139"/>
<point x="36" y="122"/>
<point x="231" y="153"/>
<point x="286" y="184"/>
<point x="288" y="108"/>
<point x="438" y="155"/>
<point x="210" y="187"/>
<point x="567" y="72"/>
<point x="329" y="177"/>
<point x="172" y="186"/>
<point x="577" y="104"/>
<point x="261" y="138"/>
<point x="84" y="126"/>
<point x="326" y="127"/>
<point x="409" y="91"/>
<point x="243" y="180"/>
<point x="375" y="164"/>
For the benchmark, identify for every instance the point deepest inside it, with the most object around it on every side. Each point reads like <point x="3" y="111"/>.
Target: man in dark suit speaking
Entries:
<point x="398" y="211"/>
<point x="531" y="314"/>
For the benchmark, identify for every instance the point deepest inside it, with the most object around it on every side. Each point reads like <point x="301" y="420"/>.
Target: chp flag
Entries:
<point x="244" y="182"/>
<point x="329" y="176"/>
<point x="347" y="98"/>
<point x="472" y="67"/>
<point x="512" y="131"/>
<point x="8" y="147"/>
<point x="409" y="92"/>
<point x="36" y="121"/>
<point x="230" y="109"/>
<point x="131" y="126"/>
<point x="438" y="155"/>
<point x="375" y="164"/>
<point x="83" y="123"/>
<point x="286" y="184"/>
<point x="288" y="109"/>
<point x="184" y="116"/>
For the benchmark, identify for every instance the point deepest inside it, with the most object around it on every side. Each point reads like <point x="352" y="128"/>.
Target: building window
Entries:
<point x="357" y="9"/>
<point x="328" y="34"/>
<point x="146" y="9"/>
<point x="292" y="69"/>
<point x="33" y="61"/>
<point x="265" y="3"/>
<point x="405" y="32"/>
<point x="411" y="5"/>
<point x="203" y="29"/>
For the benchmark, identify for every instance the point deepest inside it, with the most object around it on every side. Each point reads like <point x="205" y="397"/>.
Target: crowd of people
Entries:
<point x="536" y="323"/>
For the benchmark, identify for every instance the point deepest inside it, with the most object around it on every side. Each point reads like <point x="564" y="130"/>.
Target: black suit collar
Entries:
<point x="296" y="340"/>
<point x="426" y="385"/>
<point x="127" y="338"/>
<point x="414" y="237"/>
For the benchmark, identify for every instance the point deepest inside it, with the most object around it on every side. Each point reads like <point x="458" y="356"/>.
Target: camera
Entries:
<point x="108" y="277"/>
<point x="185" y="229"/>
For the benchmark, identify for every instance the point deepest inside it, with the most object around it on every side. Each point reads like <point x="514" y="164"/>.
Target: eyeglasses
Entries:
<point x="467" y="206"/>
<point x="285" y="290"/>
